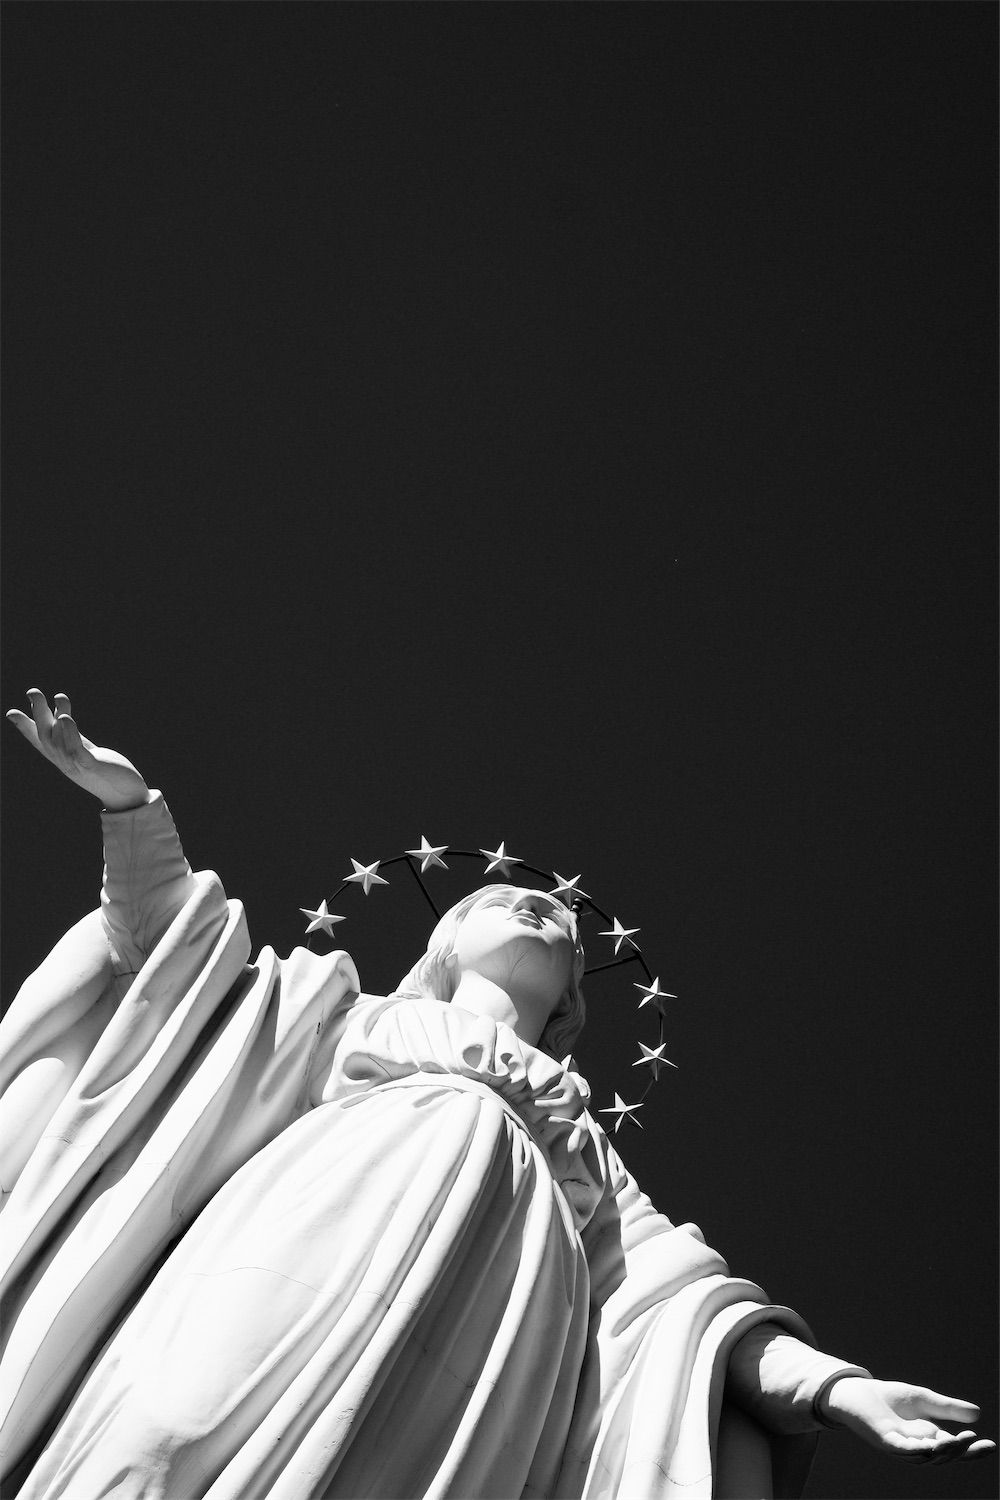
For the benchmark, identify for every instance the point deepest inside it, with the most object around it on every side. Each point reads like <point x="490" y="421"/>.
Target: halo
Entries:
<point x="420" y="861"/>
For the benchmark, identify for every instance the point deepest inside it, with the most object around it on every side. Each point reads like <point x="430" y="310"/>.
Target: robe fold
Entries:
<point x="275" y="1238"/>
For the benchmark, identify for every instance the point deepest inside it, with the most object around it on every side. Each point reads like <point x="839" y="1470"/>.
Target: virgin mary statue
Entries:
<point x="265" y="1235"/>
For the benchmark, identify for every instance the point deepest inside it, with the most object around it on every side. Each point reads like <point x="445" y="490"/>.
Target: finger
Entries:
<point x="60" y="741"/>
<point x="952" y="1447"/>
<point x="964" y="1442"/>
<point x="61" y="705"/>
<point x="24" y="725"/>
<point x="936" y="1447"/>
<point x="40" y="712"/>
<point x="66" y="735"/>
<point x="979" y="1449"/>
<point x="913" y="1450"/>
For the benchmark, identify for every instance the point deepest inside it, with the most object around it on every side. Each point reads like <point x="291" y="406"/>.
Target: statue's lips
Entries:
<point x="528" y="917"/>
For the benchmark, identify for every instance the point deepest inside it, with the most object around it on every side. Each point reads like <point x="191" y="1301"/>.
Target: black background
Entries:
<point x="570" y="424"/>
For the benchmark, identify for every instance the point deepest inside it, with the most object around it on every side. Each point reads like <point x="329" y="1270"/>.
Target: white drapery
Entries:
<point x="279" y="1241"/>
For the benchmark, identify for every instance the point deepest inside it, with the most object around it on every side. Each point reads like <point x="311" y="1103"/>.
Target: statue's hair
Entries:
<point x="433" y="978"/>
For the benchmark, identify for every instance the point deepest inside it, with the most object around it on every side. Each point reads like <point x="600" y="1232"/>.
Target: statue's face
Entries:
<point x="521" y="939"/>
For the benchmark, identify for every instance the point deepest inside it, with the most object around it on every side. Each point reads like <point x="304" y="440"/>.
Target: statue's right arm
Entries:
<point x="64" y="1006"/>
<point x="146" y="877"/>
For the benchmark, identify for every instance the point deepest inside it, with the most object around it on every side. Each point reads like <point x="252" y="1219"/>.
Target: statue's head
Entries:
<point x="501" y="930"/>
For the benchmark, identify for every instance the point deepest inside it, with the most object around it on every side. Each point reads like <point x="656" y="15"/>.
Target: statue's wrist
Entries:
<point x="827" y="1403"/>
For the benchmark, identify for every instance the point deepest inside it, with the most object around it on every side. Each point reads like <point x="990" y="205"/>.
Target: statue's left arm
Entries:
<point x="772" y="1371"/>
<point x="782" y="1382"/>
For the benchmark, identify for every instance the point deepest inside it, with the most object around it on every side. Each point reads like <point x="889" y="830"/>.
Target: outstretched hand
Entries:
<point x="904" y="1420"/>
<point x="104" y="773"/>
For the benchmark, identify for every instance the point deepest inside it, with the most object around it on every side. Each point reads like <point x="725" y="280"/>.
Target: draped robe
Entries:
<point x="280" y="1239"/>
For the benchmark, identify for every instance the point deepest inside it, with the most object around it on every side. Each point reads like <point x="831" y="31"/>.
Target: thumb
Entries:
<point x="931" y="1404"/>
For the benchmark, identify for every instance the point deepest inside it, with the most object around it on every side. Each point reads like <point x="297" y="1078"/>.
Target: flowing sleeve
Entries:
<point x="665" y="1316"/>
<point x="63" y="1009"/>
<point x="148" y="1060"/>
<point x="780" y="1381"/>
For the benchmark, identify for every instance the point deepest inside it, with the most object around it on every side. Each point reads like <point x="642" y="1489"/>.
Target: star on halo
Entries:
<point x="428" y="854"/>
<point x="322" y="919"/>
<point x="653" y="1058"/>
<point x="621" y="935"/>
<point x="365" y="875"/>
<point x="623" y="1111"/>
<point x="499" y="860"/>
<point x="567" y="889"/>
<point x="652" y="995"/>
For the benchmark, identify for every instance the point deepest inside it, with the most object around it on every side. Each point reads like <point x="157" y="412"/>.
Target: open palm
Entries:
<point x="104" y="773"/>
<point x="905" y="1420"/>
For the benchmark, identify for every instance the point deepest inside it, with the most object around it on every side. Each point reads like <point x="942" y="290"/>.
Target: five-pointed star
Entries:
<point x="499" y="860"/>
<point x="654" y="1058"/>
<point x="322" y="919"/>
<point x="652" y="995"/>
<point x="623" y="1111"/>
<point x="621" y="935"/>
<point x="568" y="889"/>
<point x="365" y="875"/>
<point x="429" y="854"/>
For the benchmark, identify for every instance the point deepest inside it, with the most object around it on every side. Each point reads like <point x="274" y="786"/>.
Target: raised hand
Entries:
<point x="904" y="1420"/>
<point x="53" y="732"/>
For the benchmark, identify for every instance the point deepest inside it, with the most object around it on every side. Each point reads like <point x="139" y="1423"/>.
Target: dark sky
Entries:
<point x="572" y="425"/>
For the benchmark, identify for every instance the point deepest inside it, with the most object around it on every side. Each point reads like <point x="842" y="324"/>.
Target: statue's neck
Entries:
<point x="482" y="997"/>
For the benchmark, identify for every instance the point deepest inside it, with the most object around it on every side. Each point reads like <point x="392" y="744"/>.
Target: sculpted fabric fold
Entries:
<point x="279" y="1240"/>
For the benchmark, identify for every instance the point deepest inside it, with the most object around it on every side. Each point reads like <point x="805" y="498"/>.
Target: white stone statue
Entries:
<point x="267" y="1236"/>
